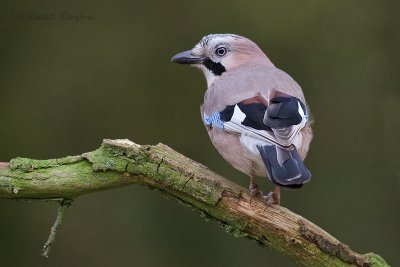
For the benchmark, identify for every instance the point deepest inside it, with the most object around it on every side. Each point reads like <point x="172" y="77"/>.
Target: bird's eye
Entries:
<point x="221" y="51"/>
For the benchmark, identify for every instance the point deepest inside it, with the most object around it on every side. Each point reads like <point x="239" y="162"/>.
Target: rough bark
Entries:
<point x="122" y="162"/>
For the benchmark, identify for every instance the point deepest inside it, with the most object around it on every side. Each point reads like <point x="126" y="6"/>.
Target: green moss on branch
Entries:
<point x="122" y="162"/>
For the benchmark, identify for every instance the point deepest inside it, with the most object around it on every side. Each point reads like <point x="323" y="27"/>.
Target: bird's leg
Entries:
<point x="274" y="197"/>
<point x="254" y="189"/>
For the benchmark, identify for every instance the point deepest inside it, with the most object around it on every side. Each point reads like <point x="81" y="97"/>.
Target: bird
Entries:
<point x="255" y="114"/>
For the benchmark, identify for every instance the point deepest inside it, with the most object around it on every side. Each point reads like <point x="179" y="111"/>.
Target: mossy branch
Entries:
<point x="122" y="162"/>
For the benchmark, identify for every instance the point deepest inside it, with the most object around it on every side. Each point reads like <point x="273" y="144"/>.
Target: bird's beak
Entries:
<point x="187" y="58"/>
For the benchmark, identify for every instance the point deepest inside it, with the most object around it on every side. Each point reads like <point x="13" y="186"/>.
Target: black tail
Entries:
<point x="285" y="167"/>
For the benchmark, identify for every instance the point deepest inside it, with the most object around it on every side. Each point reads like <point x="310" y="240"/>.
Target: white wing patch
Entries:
<point x="238" y="116"/>
<point x="250" y="137"/>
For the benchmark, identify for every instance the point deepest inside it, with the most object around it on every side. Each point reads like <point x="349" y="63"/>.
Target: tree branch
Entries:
<point x="122" y="162"/>
<point x="64" y="204"/>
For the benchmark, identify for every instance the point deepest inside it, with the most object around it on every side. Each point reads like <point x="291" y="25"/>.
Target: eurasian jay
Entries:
<point x="266" y="107"/>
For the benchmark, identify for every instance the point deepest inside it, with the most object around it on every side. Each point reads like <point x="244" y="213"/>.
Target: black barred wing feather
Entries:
<point x="277" y="129"/>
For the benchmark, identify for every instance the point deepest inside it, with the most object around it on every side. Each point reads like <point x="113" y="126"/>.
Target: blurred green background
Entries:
<point x="66" y="84"/>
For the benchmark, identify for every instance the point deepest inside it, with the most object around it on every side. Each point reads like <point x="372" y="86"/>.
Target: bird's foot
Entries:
<point x="270" y="199"/>
<point x="273" y="197"/>
<point x="254" y="190"/>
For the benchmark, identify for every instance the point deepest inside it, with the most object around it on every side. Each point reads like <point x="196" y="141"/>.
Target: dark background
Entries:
<point x="67" y="84"/>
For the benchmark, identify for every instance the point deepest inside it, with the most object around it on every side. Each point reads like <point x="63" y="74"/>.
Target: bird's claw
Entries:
<point x="271" y="198"/>
<point x="254" y="191"/>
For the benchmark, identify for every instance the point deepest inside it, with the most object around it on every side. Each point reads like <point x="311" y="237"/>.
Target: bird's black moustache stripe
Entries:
<point x="216" y="68"/>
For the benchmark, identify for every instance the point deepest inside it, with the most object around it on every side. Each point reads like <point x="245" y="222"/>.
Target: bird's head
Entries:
<point x="216" y="54"/>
